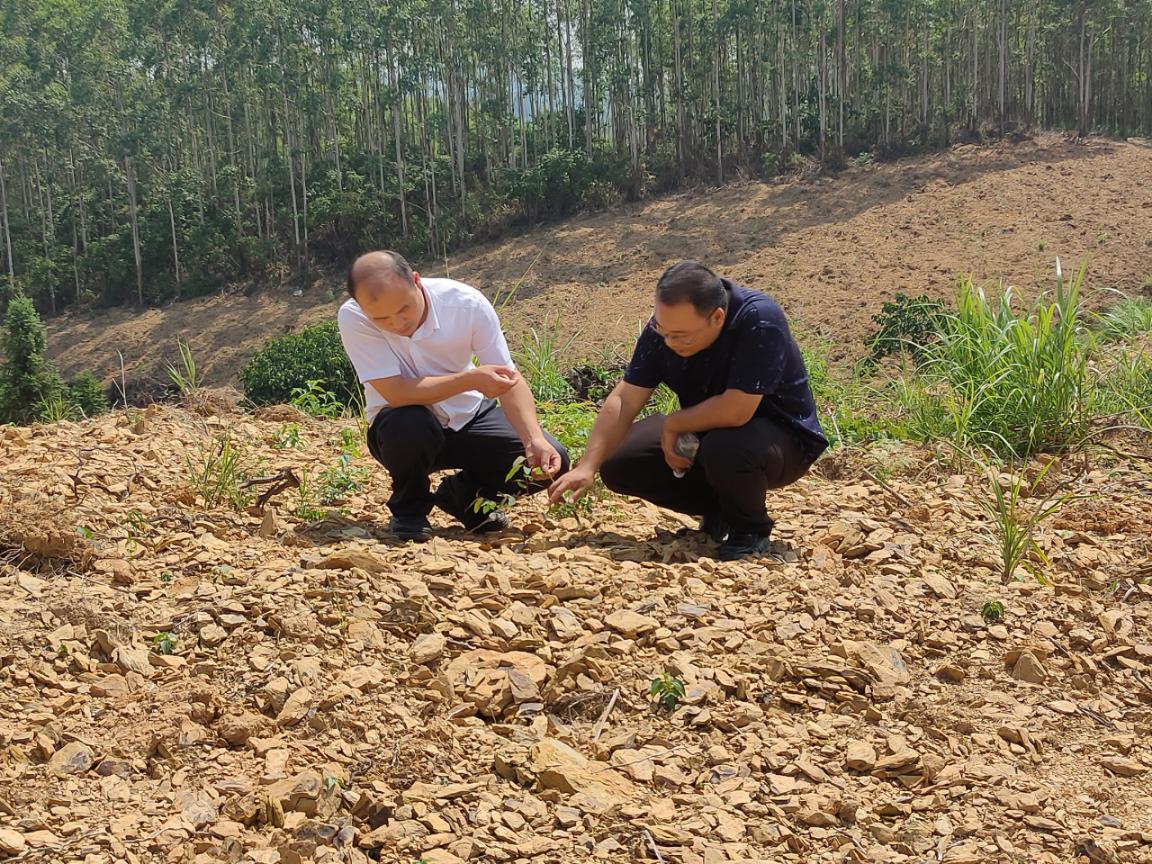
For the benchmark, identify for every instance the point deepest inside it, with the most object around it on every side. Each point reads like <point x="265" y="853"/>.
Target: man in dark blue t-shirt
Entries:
<point x="728" y="355"/>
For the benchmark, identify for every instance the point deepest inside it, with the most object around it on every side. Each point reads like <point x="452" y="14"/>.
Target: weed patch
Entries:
<point x="217" y="475"/>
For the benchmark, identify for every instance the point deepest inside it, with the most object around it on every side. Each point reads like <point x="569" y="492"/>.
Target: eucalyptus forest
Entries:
<point x="164" y="148"/>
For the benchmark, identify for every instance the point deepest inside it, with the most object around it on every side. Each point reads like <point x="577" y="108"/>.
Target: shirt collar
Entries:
<point x="431" y="322"/>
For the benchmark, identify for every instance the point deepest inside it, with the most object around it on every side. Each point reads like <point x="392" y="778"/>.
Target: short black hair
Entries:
<point x="395" y="265"/>
<point x="692" y="282"/>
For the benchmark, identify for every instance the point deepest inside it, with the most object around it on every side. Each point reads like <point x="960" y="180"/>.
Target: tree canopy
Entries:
<point x="161" y="148"/>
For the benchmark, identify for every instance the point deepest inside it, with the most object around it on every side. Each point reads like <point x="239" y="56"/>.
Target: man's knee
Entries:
<point x="727" y="450"/>
<point x="618" y="475"/>
<point x="735" y="452"/>
<point x="407" y="434"/>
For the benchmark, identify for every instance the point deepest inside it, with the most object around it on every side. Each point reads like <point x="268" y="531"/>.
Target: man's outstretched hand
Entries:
<point x="576" y="482"/>
<point x="542" y="458"/>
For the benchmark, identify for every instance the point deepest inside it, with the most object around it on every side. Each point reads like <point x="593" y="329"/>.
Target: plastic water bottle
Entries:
<point x="687" y="445"/>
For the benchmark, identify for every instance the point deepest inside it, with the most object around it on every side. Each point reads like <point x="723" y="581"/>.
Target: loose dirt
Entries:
<point x="189" y="684"/>
<point x="831" y="249"/>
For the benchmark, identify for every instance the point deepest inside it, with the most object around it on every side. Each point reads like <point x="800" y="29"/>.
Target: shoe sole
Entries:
<point x="739" y="555"/>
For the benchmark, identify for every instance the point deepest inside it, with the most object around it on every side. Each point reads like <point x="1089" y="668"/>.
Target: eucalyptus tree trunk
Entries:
<point x="175" y="244"/>
<point x="130" y="179"/>
<point x="7" y="230"/>
<point x="1003" y="38"/>
<point x="716" y="51"/>
<point x="681" y="154"/>
<point x="1084" y="76"/>
<point x="398" y="142"/>
<point x="590" y="100"/>
<point x="842" y="77"/>
<point x="570" y="103"/>
<point x="290" y="154"/>
<point x="236" y="172"/>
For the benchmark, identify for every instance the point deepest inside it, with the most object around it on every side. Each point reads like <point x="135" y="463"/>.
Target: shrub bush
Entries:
<point x="87" y="394"/>
<point x="27" y="379"/>
<point x="907" y="325"/>
<point x="289" y="363"/>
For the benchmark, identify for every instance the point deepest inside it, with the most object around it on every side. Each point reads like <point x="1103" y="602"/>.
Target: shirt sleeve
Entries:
<point x="645" y="369"/>
<point x="371" y="355"/>
<point x="488" y="342"/>
<point x="758" y="359"/>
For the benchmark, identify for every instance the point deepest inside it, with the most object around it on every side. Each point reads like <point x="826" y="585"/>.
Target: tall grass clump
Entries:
<point x="218" y="474"/>
<point x="1015" y="383"/>
<point x="185" y="376"/>
<point x="1015" y="511"/>
<point x="1126" y="320"/>
<point x="539" y="362"/>
<point x="1128" y="389"/>
<point x="852" y="409"/>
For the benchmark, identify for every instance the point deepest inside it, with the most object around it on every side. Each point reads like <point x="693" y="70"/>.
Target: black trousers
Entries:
<point x="732" y="473"/>
<point x="411" y="444"/>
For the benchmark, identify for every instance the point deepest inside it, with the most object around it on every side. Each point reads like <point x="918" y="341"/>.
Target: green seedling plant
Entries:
<point x="315" y="400"/>
<point x="337" y="483"/>
<point x="287" y="436"/>
<point x="1015" y="518"/>
<point x="521" y="473"/>
<point x="666" y="692"/>
<point x="138" y="526"/>
<point x="992" y="611"/>
<point x="306" y="509"/>
<point x="164" y="643"/>
<point x="350" y="443"/>
<point x="184" y="376"/>
<point x="217" y="476"/>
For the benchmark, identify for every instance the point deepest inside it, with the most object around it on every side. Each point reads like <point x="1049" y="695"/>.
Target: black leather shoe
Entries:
<point x="414" y="528"/>
<point x="712" y="524"/>
<point x="490" y="523"/>
<point x="739" y="546"/>
<point x="715" y="526"/>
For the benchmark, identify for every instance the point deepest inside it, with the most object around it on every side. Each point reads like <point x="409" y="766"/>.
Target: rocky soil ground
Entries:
<point x="190" y="684"/>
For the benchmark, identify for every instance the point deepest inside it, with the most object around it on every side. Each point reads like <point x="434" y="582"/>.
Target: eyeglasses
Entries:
<point x="685" y="338"/>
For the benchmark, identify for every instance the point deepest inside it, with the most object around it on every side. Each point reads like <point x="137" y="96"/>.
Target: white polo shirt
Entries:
<point x="461" y="325"/>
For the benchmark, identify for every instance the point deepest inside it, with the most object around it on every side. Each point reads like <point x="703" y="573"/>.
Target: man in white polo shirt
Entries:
<point x="430" y="407"/>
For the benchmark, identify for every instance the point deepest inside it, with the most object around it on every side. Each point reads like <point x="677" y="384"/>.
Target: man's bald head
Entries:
<point x="378" y="269"/>
<point x="387" y="290"/>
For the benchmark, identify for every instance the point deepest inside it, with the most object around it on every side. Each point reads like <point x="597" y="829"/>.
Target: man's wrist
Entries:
<point x="672" y="423"/>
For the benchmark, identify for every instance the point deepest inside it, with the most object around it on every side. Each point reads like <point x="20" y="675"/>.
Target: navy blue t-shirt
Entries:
<point x="755" y="353"/>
